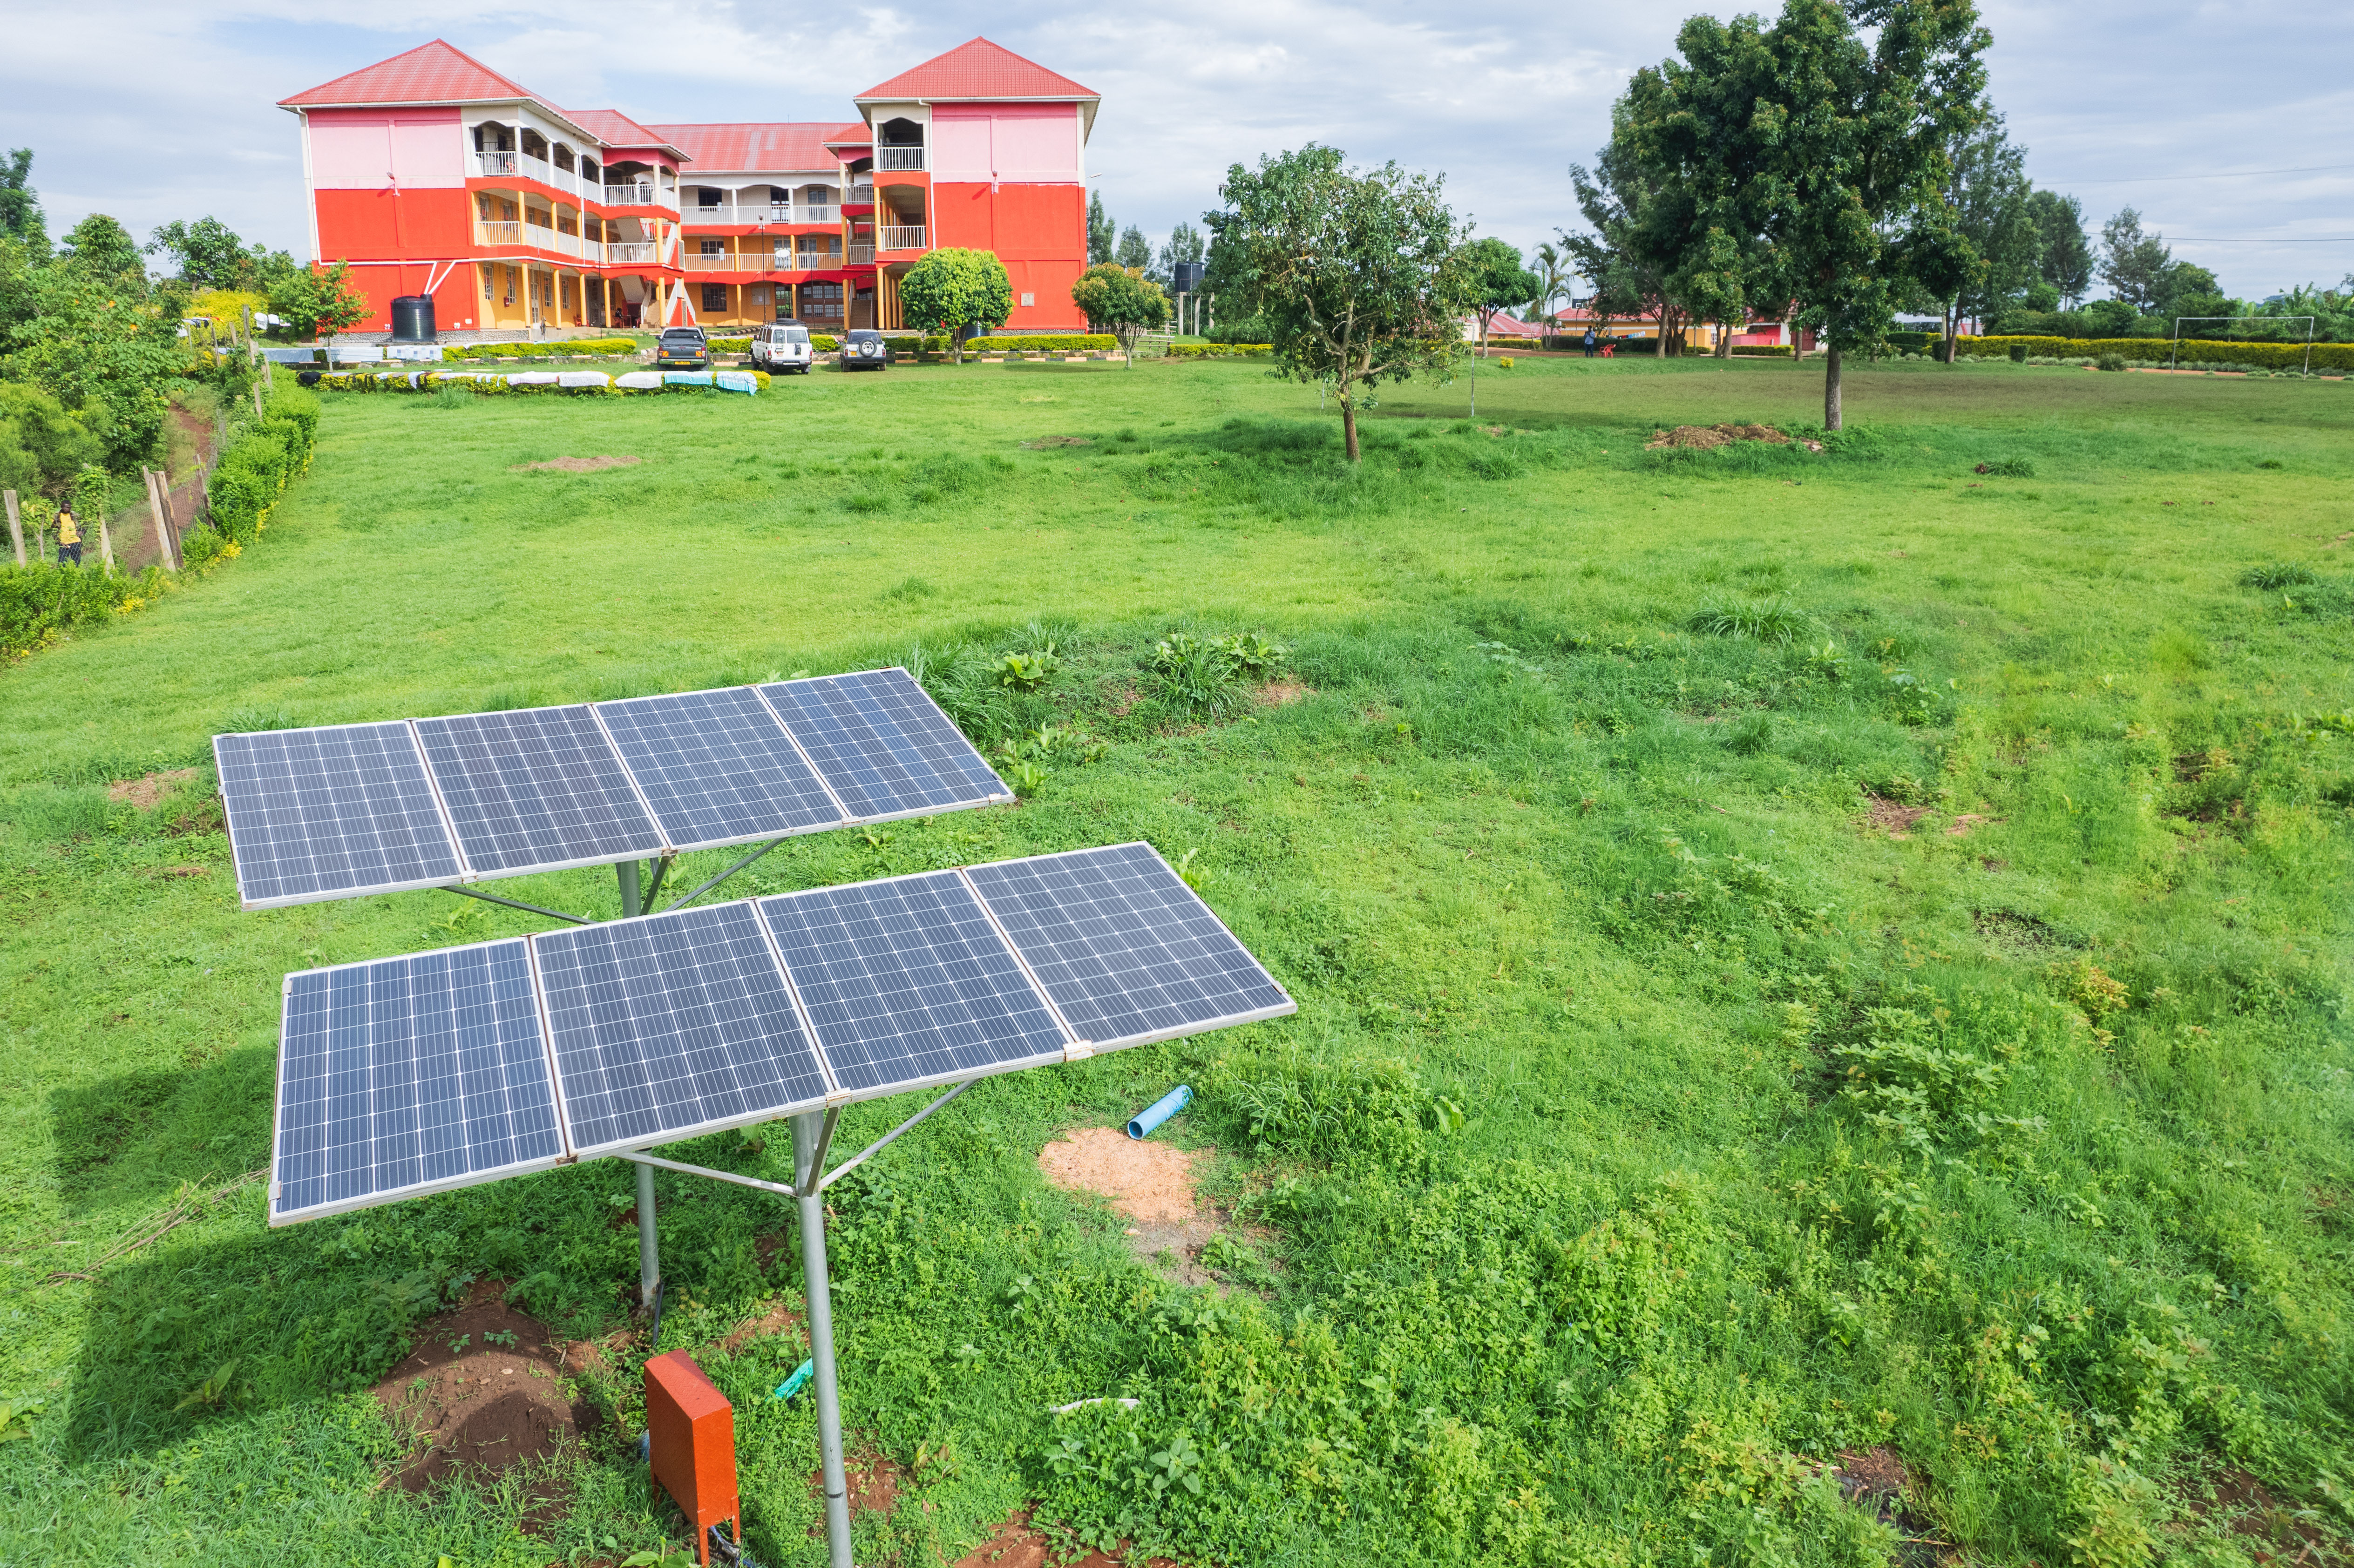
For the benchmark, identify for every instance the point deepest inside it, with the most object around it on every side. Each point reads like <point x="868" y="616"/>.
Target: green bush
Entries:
<point x="1219" y="349"/>
<point x="1069" y="342"/>
<point x="559" y="349"/>
<point x="2204" y="353"/>
<point x="2110" y="362"/>
<point x="1761" y="351"/>
<point x="41" y="602"/>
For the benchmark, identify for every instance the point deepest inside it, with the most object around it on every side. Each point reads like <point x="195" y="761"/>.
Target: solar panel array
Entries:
<point x="419" y="1074"/>
<point x="349" y="809"/>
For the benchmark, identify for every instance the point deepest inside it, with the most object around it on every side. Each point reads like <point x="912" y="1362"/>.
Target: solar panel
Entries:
<point x="883" y="744"/>
<point x="409" y="1075"/>
<point x="1123" y="946"/>
<point x="330" y="813"/>
<point x="535" y="789"/>
<point x="717" y="768"/>
<point x="907" y="982"/>
<point x="672" y="1026"/>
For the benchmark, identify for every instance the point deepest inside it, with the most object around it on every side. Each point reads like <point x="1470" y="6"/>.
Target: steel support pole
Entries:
<point x="627" y="872"/>
<point x="806" y="1134"/>
<point x="648" y="1249"/>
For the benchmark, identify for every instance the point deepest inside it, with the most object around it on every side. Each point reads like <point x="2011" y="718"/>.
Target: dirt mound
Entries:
<point x="577" y="465"/>
<point x="1894" y="817"/>
<point x="144" y="792"/>
<point x="1706" y="436"/>
<point x="483" y="1390"/>
<point x="1017" y="1544"/>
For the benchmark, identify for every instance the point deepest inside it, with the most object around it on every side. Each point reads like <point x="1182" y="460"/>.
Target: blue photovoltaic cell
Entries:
<point x="717" y="768"/>
<point x="407" y="1076"/>
<point x="906" y="981"/>
<point x="884" y="745"/>
<point x="673" y="1024"/>
<point x="329" y="813"/>
<point x="1123" y="946"/>
<point x="537" y="787"/>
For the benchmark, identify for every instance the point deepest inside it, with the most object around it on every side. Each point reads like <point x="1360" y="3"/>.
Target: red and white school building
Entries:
<point x="432" y="173"/>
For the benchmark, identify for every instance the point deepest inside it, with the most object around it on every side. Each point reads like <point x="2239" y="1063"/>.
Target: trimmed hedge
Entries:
<point x="42" y="601"/>
<point x="1761" y="351"/>
<point x="1065" y="342"/>
<point x="1219" y="349"/>
<point x="557" y="349"/>
<point x="261" y="462"/>
<point x="498" y="386"/>
<point x="2334" y="357"/>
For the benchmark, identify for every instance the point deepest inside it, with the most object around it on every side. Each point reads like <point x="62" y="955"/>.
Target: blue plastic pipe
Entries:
<point x="1161" y="1110"/>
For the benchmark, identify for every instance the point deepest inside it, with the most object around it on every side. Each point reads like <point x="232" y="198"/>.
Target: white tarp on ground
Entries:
<point x="353" y="354"/>
<point x="584" y="378"/>
<point x="734" y="381"/>
<point x="688" y="377"/>
<point x="536" y="378"/>
<point x="640" y="380"/>
<point x="413" y="351"/>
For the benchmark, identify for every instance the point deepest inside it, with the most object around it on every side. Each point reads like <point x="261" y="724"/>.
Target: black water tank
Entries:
<point x="412" y="319"/>
<point x="1187" y="277"/>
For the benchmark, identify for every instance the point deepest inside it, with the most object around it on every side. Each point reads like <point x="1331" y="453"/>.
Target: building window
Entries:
<point x="707" y="196"/>
<point x="490" y="279"/>
<point x="712" y="247"/>
<point x="715" y="297"/>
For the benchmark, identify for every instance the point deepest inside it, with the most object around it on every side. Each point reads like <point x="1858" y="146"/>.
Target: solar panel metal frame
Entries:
<point x="575" y="1153"/>
<point x="364" y="890"/>
<point x="1149" y="1037"/>
<point x="563" y="1155"/>
<point x="1073" y="1047"/>
<point x="1005" y="795"/>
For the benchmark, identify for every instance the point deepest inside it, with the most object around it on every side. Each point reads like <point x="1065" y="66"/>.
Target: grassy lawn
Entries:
<point x="1799" y="954"/>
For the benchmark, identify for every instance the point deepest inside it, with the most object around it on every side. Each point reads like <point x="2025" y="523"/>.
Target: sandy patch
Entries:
<point x="1895" y="820"/>
<point x="576" y="465"/>
<point x="1963" y="824"/>
<point x="1016" y="1544"/>
<point x="483" y="1392"/>
<point x="1148" y="1184"/>
<point x="1276" y="693"/>
<point x="145" y="791"/>
<point x="1707" y="436"/>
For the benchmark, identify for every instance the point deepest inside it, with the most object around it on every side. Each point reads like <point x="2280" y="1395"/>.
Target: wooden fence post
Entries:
<point x="156" y="511"/>
<point x="15" y="527"/>
<point x="105" y="540"/>
<point x="257" y="399"/>
<point x="171" y="516"/>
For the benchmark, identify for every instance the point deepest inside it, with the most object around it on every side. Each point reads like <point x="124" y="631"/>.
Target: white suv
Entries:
<point x="781" y="349"/>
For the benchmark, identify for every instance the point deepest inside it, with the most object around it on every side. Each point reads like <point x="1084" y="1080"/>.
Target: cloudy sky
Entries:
<point x="2225" y="125"/>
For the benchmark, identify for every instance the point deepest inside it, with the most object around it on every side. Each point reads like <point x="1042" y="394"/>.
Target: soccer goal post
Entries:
<point x="2174" y="353"/>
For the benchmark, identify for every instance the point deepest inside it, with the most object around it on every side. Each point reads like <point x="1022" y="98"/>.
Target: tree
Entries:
<point x="1995" y="223"/>
<point x="1101" y="235"/>
<point x="1549" y="266"/>
<point x="1629" y="278"/>
<point x="1134" y="249"/>
<point x="2133" y="263"/>
<point x="20" y="206"/>
<point x="42" y="447"/>
<point x="103" y="248"/>
<point x="207" y="254"/>
<point x="1122" y="299"/>
<point x="318" y="301"/>
<point x="104" y="353"/>
<point x="1359" y="274"/>
<point x="950" y="290"/>
<point x="1184" y="244"/>
<point x="2187" y="289"/>
<point x="2065" y="258"/>
<point x="1494" y="281"/>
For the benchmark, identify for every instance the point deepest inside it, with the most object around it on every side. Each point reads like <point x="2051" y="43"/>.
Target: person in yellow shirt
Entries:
<point x="68" y="535"/>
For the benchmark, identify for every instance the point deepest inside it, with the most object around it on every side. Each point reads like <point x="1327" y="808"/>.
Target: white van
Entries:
<point x="781" y="349"/>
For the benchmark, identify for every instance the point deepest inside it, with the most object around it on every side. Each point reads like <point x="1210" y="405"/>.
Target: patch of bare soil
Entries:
<point x="1876" y="1479"/>
<point x="776" y="1320"/>
<point x="874" y="1478"/>
<point x="594" y="1358"/>
<point x="143" y="792"/>
<point x="1894" y="820"/>
<point x="1961" y="826"/>
<point x="1042" y="442"/>
<point x="2289" y="1533"/>
<point x="1016" y="1544"/>
<point x="1149" y="1184"/>
<point x="1708" y="436"/>
<point x="577" y="465"/>
<point x="482" y="1391"/>
<point x="1276" y="693"/>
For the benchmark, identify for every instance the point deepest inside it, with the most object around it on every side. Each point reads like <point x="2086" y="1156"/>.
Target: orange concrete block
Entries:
<point x="692" y="1428"/>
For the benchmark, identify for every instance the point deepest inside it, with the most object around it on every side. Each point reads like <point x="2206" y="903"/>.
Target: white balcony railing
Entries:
<point x="495" y="162"/>
<point x="899" y="157"/>
<point x="810" y="213"/>
<point x="593" y="252"/>
<point x="538" y="234"/>
<point x="861" y="255"/>
<point x="639" y="194"/>
<point x="622" y="252"/>
<point x="860" y="196"/>
<point x="538" y="169"/>
<point x="902" y="236"/>
<point x="493" y="231"/>
<point x="569" y="244"/>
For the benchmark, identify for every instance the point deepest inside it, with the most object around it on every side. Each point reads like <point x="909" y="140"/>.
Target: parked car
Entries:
<point x="864" y="349"/>
<point x="683" y="349"/>
<point x="781" y="349"/>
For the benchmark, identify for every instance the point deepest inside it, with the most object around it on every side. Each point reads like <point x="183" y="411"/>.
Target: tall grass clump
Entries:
<point x="1775" y="621"/>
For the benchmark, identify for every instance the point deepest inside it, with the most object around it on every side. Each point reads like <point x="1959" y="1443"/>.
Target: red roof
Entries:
<point x="977" y="69"/>
<point x="754" y="147"/>
<point x="429" y="73"/>
<point x="616" y="129"/>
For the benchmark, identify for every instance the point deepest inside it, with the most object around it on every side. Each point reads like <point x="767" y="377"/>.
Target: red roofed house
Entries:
<point x="432" y="173"/>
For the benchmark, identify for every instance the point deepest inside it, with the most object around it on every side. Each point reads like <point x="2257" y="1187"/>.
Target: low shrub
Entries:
<point x="444" y="384"/>
<point x="1761" y="351"/>
<point x="2110" y="362"/>
<point x="2202" y="353"/>
<point x="1224" y="350"/>
<point x="39" y="602"/>
<point x="2275" y="576"/>
<point x="2019" y="354"/>
<point x="1205" y="678"/>
<point x="568" y="348"/>
<point x="1064" y="343"/>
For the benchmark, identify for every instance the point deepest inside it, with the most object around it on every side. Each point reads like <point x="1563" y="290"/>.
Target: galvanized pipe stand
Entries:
<point x="808" y="1132"/>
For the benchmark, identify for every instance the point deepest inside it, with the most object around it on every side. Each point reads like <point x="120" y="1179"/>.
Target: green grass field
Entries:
<point x="1797" y="954"/>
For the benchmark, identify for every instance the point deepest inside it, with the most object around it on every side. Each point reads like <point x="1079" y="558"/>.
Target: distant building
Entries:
<point x="432" y="173"/>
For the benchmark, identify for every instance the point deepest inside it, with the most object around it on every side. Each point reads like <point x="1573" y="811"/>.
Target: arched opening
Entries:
<point x="899" y="144"/>
<point x="564" y="158"/>
<point x="495" y="148"/>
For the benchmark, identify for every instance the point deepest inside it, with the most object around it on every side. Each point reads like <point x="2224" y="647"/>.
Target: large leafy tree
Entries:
<point x="1993" y="226"/>
<point x="2133" y="260"/>
<point x="318" y="300"/>
<point x="1101" y="235"/>
<point x="2063" y="255"/>
<point x="207" y="254"/>
<point x="20" y="206"/>
<point x="1552" y="269"/>
<point x="1184" y="244"/>
<point x="1494" y="281"/>
<point x="98" y="246"/>
<point x="102" y="351"/>
<point x="952" y="289"/>
<point x="1628" y="276"/>
<point x="1359" y="273"/>
<point x="1134" y="249"/>
<point x="1123" y="300"/>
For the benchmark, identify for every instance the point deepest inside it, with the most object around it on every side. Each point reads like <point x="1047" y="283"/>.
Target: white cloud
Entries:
<point x="152" y="112"/>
